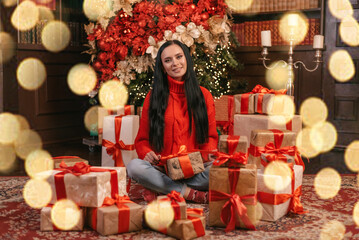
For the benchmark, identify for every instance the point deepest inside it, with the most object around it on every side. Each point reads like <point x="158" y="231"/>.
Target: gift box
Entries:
<point x="86" y="186"/>
<point x="266" y="158"/>
<point x="119" y="136"/>
<point x="244" y="103"/>
<point x="277" y="203"/>
<point x="103" y="112"/>
<point x="69" y="160"/>
<point x="185" y="165"/>
<point x="244" y="124"/>
<point x="226" y="187"/>
<point x="118" y="215"/>
<point x="271" y="104"/>
<point x="224" y="107"/>
<point x="192" y="227"/>
<point x="272" y="141"/>
<point x="46" y="223"/>
<point x="178" y="204"/>
<point x="231" y="144"/>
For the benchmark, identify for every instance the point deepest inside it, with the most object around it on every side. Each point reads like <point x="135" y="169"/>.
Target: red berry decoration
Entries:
<point x="142" y="23"/>
<point x="97" y="65"/>
<point x="204" y="16"/>
<point x="102" y="45"/>
<point x="192" y="6"/>
<point x="102" y="56"/>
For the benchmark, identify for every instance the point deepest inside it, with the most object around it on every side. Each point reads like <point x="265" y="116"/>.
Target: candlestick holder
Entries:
<point x="290" y="65"/>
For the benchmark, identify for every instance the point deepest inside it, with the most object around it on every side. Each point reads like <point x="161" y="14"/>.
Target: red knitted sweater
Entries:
<point x="176" y="131"/>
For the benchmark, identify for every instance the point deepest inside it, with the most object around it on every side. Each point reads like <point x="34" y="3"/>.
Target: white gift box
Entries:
<point x="245" y="123"/>
<point x="128" y="133"/>
<point x="274" y="212"/>
<point x="46" y="223"/>
<point x="87" y="190"/>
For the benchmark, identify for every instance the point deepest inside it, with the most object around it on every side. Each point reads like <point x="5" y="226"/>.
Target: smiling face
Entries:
<point x="174" y="62"/>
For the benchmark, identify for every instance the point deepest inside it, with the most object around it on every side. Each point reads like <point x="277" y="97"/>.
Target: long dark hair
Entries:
<point x="196" y="104"/>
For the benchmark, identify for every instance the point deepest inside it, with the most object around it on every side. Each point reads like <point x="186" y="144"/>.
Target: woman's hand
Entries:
<point x="152" y="158"/>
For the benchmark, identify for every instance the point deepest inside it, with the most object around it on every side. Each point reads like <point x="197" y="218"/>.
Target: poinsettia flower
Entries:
<point x="153" y="48"/>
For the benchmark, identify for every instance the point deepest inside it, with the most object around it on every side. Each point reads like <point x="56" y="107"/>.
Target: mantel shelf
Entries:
<point x="274" y="48"/>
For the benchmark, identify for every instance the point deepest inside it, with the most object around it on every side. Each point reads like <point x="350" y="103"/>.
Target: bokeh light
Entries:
<point x="313" y="110"/>
<point x="91" y="118"/>
<point x="31" y="73"/>
<point x="349" y="31"/>
<point x="333" y="230"/>
<point x="82" y="79"/>
<point x="159" y="214"/>
<point x="39" y="161"/>
<point x="45" y="13"/>
<point x="65" y="214"/>
<point x="113" y="94"/>
<point x="37" y="193"/>
<point x="341" y="66"/>
<point x="25" y="16"/>
<point x="239" y="5"/>
<point x="340" y="8"/>
<point x="9" y="3"/>
<point x="94" y="9"/>
<point x="327" y="134"/>
<point x="279" y="120"/>
<point x="7" y="158"/>
<point x="304" y="143"/>
<point x="9" y="128"/>
<point x="351" y="156"/>
<point x="7" y="47"/>
<point x="282" y="105"/>
<point x="24" y="124"/>
<point x="279" y="169"/>
<point x="55" y="36"/>
<point x="327" y="183"/>
<point x="277" y="75"/>
<point x="27" y="142"/>
<point x="293" y="27"/>
<point x="356" y="214"/>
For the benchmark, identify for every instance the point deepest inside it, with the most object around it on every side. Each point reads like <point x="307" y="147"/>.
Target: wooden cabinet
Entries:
<point x="52" y="110"/>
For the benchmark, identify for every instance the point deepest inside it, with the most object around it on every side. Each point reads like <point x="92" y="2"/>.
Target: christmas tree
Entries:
<point x="124" y="42"/>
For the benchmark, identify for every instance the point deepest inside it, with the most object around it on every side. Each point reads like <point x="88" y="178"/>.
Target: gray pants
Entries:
<point x="150" y="177"/>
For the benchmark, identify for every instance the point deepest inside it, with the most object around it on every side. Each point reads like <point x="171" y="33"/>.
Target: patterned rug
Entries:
<point x="19" y="221"/>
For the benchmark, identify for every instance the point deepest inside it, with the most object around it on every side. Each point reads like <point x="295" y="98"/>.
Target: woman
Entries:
<point x="176" y="100"/>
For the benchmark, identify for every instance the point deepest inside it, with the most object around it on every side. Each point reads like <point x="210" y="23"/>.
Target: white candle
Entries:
<point x="266" y="38"/>
<point x="318" y="42"/>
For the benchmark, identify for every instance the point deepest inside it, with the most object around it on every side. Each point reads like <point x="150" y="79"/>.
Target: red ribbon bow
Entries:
<point x="123" y="212"/>
<point x="196" y="221"/>
<point x="174" y="197"/>
<point x="237" y="158"/>
<point x="235" y="204"/>
<point x="181" y="152"/>
<point x="115" y="149"/>
<point x="78" y="169"/>
<point x="260" y="89"/>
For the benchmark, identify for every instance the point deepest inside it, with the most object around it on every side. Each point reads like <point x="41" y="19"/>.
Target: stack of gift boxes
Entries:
<point x="254" y="140"/>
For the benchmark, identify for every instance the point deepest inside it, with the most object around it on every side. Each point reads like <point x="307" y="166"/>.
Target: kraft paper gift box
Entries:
<point x="186" y="166"/>
<point x="69" y="160"/>
<point x="178" y="204"/>
<point x="261" y="140"/>
<point x="123" y="152"/>
<point x="224" y="107"/>
<point x="271" y="103"/>
<point x="46" y="223"/>
<point x="103" y="112"/>
<point x="244" y="103"/>
<point x="192" y="227"/>
<point x="266" y="158"/>
<point x="242" y="144"/>
<point x="244" y="183"/>
<point x="126" y="216"/>
<point x="244" y="124"/>
<point x="89" y="189"/>
<point x="267" y="197"/>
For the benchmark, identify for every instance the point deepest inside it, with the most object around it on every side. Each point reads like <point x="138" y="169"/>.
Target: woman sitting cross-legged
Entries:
<point x="177" y="111"/>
